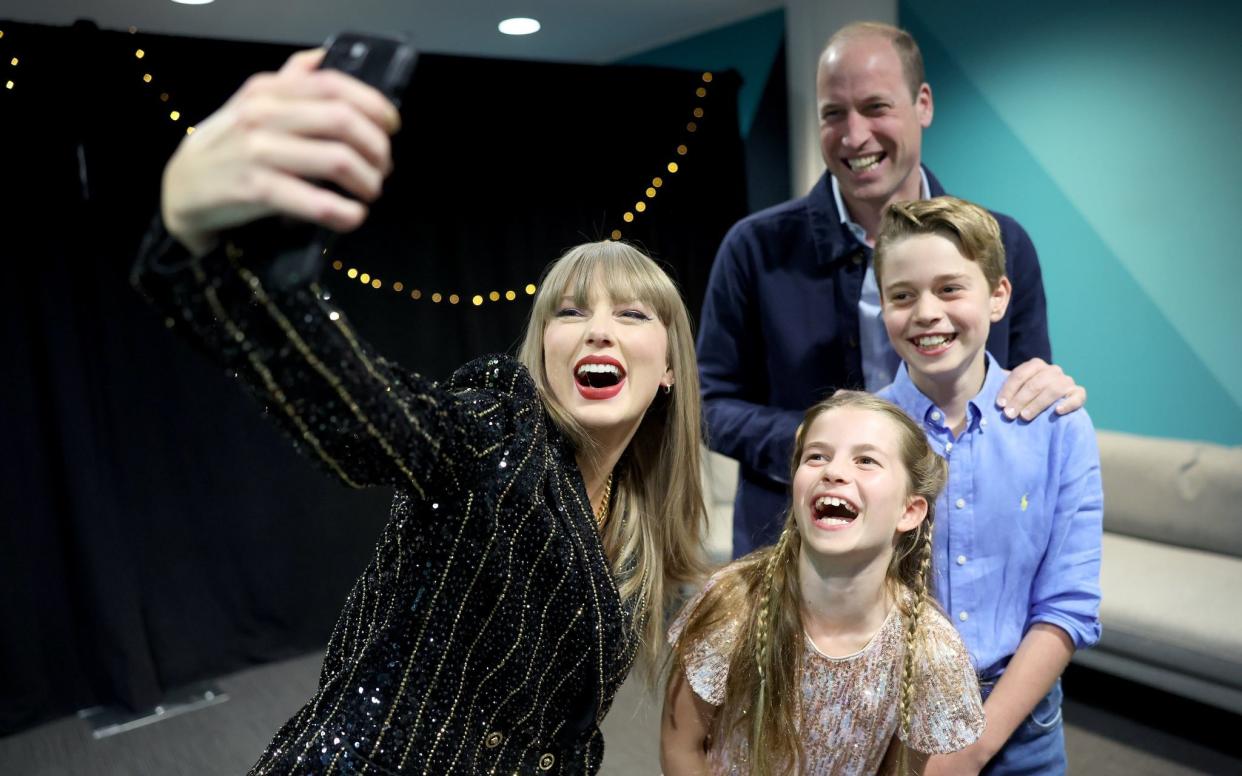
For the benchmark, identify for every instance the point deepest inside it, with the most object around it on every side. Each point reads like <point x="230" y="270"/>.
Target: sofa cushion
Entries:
<point x="1171" y="491"/>
<point x="1174" y="607"/>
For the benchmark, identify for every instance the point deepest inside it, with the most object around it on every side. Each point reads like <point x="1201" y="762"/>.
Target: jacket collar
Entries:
<point x="833" y="241"/>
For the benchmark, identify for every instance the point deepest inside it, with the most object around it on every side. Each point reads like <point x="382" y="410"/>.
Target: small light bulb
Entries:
<point x="519" y="25"/>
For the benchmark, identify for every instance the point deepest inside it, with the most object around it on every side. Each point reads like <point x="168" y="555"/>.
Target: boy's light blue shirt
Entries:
<point x="1017" y="536"/>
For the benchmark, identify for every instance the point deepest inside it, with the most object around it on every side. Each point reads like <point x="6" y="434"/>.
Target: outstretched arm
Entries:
<point x="361" y="418"/>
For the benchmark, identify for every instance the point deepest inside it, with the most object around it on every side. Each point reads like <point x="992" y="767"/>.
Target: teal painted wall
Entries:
<point x="1112" y="134"/>
<point x="748" y="46"/>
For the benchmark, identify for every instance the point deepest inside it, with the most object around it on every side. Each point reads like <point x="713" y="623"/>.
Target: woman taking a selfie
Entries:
<point x="546" y="508"/>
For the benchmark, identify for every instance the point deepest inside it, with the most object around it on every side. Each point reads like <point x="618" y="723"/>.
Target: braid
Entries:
<point x="907" y="672"/>
<point x="764" y="625"/>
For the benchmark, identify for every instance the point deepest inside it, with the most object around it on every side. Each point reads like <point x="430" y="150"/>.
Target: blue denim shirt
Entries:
<point x="1017" y="536"/>
<point x="780" y="330"/>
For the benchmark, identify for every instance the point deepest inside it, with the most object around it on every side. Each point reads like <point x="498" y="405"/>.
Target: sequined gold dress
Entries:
<point x="486" y="635"/>
<point x="850" y="703"/>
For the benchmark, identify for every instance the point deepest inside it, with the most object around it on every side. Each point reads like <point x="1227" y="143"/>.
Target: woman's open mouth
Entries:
<point x="599" y="377"/>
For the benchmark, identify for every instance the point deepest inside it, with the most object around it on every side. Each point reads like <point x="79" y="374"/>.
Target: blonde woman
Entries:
<point x="826" y="654"/>
<point x="546" y="506"/>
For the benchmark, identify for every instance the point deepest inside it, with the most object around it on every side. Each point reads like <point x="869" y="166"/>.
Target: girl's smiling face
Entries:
<point x="851" y="491"/>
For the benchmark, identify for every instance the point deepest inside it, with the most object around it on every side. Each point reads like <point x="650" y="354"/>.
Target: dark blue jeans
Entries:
<point x="1037" y="747"/>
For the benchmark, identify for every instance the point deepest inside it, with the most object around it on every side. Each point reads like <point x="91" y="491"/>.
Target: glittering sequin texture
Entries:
<point x="486" y="635"/>
<point x="849" y="705"/>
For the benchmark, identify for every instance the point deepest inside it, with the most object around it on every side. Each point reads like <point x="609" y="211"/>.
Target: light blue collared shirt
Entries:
<point x="879" y="362"/>
<point x="1017" y="535"/>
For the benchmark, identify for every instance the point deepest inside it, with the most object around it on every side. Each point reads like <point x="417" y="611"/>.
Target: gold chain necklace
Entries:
<point x="601" y="515"/>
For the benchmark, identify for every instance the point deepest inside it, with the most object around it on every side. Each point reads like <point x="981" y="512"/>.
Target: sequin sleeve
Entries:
<point x="360" y="417"/>
<point x="948" y="711"/>
<point x="706" y="662"/>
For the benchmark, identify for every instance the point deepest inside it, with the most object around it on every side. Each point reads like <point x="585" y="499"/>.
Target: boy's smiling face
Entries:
<point x="938" y="310"/>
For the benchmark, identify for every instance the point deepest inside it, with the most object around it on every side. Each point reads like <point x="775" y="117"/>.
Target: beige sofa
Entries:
<point x="1172" y="568"/>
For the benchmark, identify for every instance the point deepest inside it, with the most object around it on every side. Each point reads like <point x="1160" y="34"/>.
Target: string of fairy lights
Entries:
<point x="641" y="206"/>
<point x="148" y="80"/>
<point x="11" y="76"/>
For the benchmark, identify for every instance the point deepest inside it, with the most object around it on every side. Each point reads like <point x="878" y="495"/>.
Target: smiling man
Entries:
<point x="792" y="311"/>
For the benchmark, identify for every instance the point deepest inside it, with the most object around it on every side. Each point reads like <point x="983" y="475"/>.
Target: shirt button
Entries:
<point x="853" y="341"/>
<point x="857" y="258"/>
<point x="960" y="503"/>
<point x="935" y="416"/>
<point x="961" y="560"/>
<point x="963" y="617"/>
<point x="948" y="446"/>
<point x="547" y="761"/>
<point x="983" y="421"/>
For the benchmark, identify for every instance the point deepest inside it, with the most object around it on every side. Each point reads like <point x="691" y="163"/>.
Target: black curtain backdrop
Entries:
<point x="153" y="529"/>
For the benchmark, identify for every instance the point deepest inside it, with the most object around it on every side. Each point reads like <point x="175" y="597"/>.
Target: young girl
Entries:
<point x="825" y="654"/>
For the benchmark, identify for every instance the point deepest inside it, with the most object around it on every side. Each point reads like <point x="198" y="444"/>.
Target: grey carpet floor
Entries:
<point x="226" y="738"/>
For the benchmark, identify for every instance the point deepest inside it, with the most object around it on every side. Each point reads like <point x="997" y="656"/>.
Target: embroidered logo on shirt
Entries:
<point x="1024" y="503"/>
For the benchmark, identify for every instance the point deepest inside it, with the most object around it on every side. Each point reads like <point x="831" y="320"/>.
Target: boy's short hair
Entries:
<point x="970" y="227"/>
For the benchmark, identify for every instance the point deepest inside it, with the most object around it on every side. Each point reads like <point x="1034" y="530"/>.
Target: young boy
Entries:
<point x="1016" y="550"/>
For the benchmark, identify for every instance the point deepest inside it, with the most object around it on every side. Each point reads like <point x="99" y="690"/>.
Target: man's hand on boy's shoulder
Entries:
<point x="1035" y="386"/>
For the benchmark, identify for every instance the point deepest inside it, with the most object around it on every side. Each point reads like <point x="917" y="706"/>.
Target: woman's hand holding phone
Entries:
<point x="257" y="154"/>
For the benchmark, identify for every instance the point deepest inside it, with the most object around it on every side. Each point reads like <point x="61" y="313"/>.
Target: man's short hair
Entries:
<point x="971" y="228"/>
<point x="903" y="42"/>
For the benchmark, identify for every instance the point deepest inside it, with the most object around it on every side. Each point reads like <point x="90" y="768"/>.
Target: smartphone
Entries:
<point x="383" y="62"/>
<point x="298" y="248"/>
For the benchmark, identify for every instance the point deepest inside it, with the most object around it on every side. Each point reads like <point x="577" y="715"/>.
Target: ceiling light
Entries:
<point x="193" y="2"/>
<point x="519" y="25"/>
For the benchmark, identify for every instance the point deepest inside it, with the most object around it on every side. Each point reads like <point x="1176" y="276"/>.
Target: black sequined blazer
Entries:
<point x="486" y="635"/>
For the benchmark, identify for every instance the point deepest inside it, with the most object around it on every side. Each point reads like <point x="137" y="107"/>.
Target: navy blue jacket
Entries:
<point x="779" y="332"/>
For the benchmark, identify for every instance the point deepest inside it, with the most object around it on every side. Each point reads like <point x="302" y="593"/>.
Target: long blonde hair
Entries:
<point x="764" y="668"/>
<point x="655" y="537"/>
